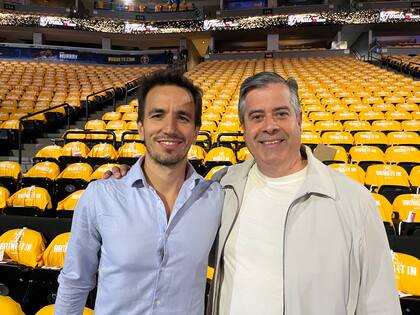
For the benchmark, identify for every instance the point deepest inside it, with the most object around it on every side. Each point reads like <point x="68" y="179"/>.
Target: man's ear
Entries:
<point x="299" y="119"/>
<point x="196" y="131"/>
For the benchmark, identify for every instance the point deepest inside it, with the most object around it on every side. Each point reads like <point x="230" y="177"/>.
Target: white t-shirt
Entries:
<point x="253" y="255"/>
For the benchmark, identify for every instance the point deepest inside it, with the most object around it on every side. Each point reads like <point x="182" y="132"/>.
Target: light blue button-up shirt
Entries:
<point x="146" y="264"/>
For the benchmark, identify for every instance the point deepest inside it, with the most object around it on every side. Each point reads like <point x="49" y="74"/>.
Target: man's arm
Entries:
<point x="378" y="294"/>
<point x="78" y="276"/>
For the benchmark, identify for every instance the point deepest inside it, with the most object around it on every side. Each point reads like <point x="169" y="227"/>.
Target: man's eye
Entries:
<point x="256" y="117"/>
<point x="282" y="114"/>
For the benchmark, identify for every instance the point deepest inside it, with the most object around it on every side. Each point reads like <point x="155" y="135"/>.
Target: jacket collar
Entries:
<point x="318" y="179"/>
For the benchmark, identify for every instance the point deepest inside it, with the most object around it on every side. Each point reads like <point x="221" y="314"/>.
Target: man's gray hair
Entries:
<point x="261" y="80"/>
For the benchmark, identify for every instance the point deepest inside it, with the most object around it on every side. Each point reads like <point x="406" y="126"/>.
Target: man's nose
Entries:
<point x="270" y="124"/>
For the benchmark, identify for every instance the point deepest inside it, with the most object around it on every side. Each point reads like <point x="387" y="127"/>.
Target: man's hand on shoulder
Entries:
<point x="117" y="171"/>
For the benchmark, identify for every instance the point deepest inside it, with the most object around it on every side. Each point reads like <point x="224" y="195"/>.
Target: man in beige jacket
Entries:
<point x="296" y="237"/>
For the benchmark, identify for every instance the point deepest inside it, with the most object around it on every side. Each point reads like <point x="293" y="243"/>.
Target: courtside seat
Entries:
<point x="405" y="203"/>
<point x="24" y="246"/>
<point x="66" y="206"/>
<point x="73" y="152"/>
<point x="41" y="174"/>
<point x="49" y="310"/>
<point x="387" y="180"/>
<point x="351" y="170"/>
<point x="50" y="153"/>
<point x="366" y="155"/>
<point x="9" y="307"/>
<point x="130" y="152"/>
<point x="102" y="153"/>
<point x="372" y="138"/>
<point x="30" y="201"/>
<point x="10" y="174"/>
<point x="405" y="156"/>
<point x="76" y="176"/>
<point x="219" y="156"/>
<point x="100" y="171"/>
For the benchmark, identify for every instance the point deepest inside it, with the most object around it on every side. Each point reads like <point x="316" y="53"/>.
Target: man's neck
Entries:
<point x="292" y="166"/>
<point x="166" y="180"/>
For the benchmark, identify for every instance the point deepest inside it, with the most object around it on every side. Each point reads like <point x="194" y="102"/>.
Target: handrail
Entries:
<point x="101" y="91"/>
<point x="130" y="132"/>
<point x="206" y="142"/>
<point x="65" y="105"/>
<point x="228" y="134"/>
<point x="91" y="132"/>
<point x="409" y="68"/>
<point x="127" y="90"/>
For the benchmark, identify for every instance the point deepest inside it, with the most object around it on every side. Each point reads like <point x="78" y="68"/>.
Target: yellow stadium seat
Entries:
<point x="340" y="155"/>
<point x="49" y="310"/>
<point x="387" y="180"/>
<point x="10" y="174"/>
<point x="345" y="116"/>
<point x="351" y="170"/>
<point x="213" y="170"/>
<point x="4" y="195"/>
<point x="386" y="125"/>
<point x="372" y="138"/>
<point x="404" y="138"/>
<point x="54" y="254"/>
<point x="24" y="246"/>
<point x="96" y="124"/>
<point x="100" y="171"/>
<point x="359" y="108"/>
<point x="410" y="125"/>
<point x="125" y="109"/>
<point x="416" y="115"/>
<point x="311" y="139"/>
<point x="384" y="207"/>
<point x="130" y="117"/>
<point x="398" y="115"/>
<point x="116" y="125"/>
<point x="328" y="125"/>
<point x="74" y="134"/>
<point x="383" y="107"/>
<point x="66" y="206"/>
<point x="130" y="152"/>
<point x="108" y="116"/>
<point x="9" y="307"/>
<point x="319" y="116"/>
<point x="415" y="176"/>
<point x="371" y="116"/>
<point x="406" y="273"/>
<point x="49" y="153"/>
<point x="409" y="107"/>
<point x="29" y="201"/>
<point x="403" y="204"/>
<point x="102" y="153"/>
<point x="365" y="156"/>
<point x="405" y="156"/>
<point x="41" y="174"/>
<point x="73" y="152"/>
<point x="344" y="139"/>
<point x="354" y="126"/>
<point x="243" y="154"/>
<point x="74" y="177"/>
<point x="219" y="156"/>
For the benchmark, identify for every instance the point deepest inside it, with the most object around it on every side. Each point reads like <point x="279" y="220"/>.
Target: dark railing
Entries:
<point x="90" y="132"/>
<point x="128" y="89"/>
<point x="394" y="58"/>
<point x="236" y="143"/>
<point x="125" y="135"/>
<point x="411" y="70"/>
<point x="65" y="105"/>
<point x="99" y="92"/>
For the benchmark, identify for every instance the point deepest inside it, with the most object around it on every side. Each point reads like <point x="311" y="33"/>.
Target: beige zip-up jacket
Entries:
<point x="337" y="260"/>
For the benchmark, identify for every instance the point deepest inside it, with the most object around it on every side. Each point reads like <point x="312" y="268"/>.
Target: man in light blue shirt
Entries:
<point x="148" y="235"/>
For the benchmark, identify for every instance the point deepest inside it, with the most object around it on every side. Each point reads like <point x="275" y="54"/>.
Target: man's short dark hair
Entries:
<point x="166" y="77"/>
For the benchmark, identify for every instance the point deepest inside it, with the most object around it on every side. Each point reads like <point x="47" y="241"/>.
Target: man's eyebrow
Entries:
<point x="155" y="111"/>
<point x="260" y="111"/>
<point x="184" y="113"/>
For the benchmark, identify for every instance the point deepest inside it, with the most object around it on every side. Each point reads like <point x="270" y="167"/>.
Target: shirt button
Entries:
<point x="157" y="302"/>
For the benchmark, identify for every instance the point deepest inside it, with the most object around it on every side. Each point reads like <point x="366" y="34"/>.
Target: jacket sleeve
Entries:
<point x="78" y="276"/>
<point x="378" y="294"/>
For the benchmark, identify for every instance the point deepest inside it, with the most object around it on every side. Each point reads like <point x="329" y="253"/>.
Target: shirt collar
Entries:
<point x="136" y="178"/>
